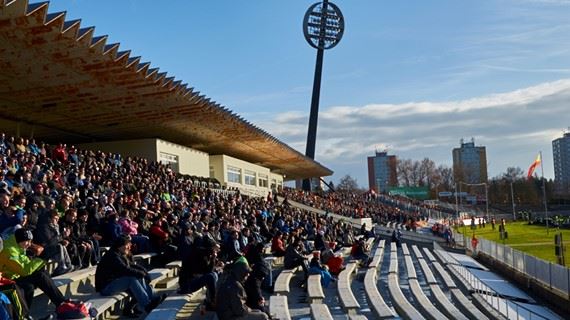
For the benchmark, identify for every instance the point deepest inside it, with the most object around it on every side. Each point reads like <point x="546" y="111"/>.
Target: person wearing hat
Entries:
<point x="117" y="272"/>
<point x="15" y="295"/>
<point x="231" y="299"/>
<point x="29" y="273"/>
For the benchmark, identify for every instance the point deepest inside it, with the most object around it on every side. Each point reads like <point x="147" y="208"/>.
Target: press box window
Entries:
<point x="234" y="174"/>
<point x="263" y="181"/>
<point x="171" y="159"/>
<point x="249" y="178"/>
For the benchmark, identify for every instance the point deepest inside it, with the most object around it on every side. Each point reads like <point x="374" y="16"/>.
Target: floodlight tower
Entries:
<point x="323" y="27"/>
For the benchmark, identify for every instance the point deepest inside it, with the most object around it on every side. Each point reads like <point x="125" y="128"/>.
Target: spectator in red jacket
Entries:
<point x="277" y="245"/>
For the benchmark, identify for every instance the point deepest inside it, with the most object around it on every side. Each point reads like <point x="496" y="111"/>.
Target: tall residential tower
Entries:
<point x="382" y="172"/>
<point x="561" y="156"/>
<point x="470" y="163"/>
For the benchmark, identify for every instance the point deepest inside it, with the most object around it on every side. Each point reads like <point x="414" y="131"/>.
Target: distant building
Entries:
<point x="561" y="156"/>
<point x="470" y="163"/>
<point x="382" y="172"/>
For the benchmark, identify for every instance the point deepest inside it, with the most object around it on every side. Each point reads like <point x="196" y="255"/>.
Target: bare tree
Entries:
<point x="404" y="172"/>
<point x="513" y="174"/>
<point x="446" y="175"/>
<point x="347" y="183"/>
<point x="415" y="174"/>
<point x="427" y="170"/>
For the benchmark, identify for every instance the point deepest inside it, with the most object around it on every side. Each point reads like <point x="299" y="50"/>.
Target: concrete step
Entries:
<point x="167" y="283"/>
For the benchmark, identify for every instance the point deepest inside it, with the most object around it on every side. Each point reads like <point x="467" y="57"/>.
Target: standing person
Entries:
<point x="116" y="272"/>
<point x="232" y="296"/>
<point x="29" y="273"/>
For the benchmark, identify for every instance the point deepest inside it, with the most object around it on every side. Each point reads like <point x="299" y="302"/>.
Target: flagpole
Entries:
<point x="544" y="193"/>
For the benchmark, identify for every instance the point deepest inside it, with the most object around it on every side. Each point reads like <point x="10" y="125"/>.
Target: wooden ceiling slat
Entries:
<point x="72" y="82"/>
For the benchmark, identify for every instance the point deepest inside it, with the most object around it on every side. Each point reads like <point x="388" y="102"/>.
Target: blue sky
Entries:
<point x="412" y="76"/>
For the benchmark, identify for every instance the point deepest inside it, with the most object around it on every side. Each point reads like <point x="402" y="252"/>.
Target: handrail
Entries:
<point x="488" y="293"/>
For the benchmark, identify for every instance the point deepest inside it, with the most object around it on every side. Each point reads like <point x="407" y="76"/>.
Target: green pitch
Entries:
<point x="531" y="239"/>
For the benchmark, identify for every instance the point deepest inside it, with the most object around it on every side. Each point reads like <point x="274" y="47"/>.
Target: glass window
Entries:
<point x="171" y="159"/>
<point x="263" y="180"/>
<point x="249" y="178"/>
<point x="234" y="174"/>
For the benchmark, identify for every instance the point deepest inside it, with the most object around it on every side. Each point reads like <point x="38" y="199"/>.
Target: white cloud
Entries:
<point x="513" y="126"/>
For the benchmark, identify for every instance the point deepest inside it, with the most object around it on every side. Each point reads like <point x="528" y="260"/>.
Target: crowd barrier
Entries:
<point x="554" y="276"/>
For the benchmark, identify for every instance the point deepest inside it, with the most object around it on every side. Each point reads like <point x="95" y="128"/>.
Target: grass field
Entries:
<point x="531" y="239"/>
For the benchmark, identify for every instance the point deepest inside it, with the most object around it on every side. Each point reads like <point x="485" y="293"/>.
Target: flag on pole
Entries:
<point x="533" y="166"/>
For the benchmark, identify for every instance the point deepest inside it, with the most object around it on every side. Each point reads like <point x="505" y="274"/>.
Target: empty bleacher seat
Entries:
<point x="320" y="311"/>
<point x="347" y="298"/>
<point x="278" y="308"/>
<point x="314" y="289"/>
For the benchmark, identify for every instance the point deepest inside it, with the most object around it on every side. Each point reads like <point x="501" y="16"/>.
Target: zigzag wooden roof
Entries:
<point x="60" y="81"/>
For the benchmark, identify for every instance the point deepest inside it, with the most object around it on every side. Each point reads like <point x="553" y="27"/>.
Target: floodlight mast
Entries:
<point x="323" y="27"/>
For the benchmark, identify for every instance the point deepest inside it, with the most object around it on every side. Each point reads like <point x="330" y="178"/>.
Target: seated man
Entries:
<point x="317" y="268"/>
<point x="199" y="269"/>
<point x="116" y="272"/>
<point x="232" y="296"/>
<point x="294" y="257"/>
<point x="15" y="296"/>
<point x="360" y="252"/>
<point x="333" y="260"/>
<point x="48" y="236"/>
<point x="28" y="273"/>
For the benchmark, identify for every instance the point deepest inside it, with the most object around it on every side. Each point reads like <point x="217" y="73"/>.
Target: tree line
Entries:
<point x="438" y="178"/>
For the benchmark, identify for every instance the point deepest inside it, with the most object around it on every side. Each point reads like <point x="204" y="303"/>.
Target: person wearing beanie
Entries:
<point x="117" y="272"/>
<point x="29" y="273"/>
<point x="231" y="299"/>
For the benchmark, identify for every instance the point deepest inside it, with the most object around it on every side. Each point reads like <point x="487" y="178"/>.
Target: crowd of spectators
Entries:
<point x="64" y="204"/>
<point x="381" y="208"/>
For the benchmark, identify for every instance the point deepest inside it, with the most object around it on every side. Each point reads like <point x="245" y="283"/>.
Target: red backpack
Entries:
<point x="75" y="310"/>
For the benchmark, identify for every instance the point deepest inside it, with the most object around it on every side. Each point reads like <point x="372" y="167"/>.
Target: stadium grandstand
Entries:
<point x="126" y="192"/>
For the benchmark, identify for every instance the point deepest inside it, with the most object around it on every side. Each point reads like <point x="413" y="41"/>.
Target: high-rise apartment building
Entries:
<point x="561" y="156"/>
<point x="470" y="163"/>
<point x="382" y="172"/>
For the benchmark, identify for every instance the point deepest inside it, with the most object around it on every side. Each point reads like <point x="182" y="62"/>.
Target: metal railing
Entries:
<point x="506" y="307"/>
<point x="522" y="262"/>
<point x="553" y="276"/>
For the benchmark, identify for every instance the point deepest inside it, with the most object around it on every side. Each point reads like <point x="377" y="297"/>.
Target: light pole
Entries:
<point x="456" y="201"/>
<point x="513" y="202"/>
<point x="486" y="201"/>
<point x="323" y="27"/>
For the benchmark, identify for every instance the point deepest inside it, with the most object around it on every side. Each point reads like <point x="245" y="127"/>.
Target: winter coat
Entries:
<point x="231" y="294"/>
<point x="115" y="265"/>
<point x="14" y="262"/>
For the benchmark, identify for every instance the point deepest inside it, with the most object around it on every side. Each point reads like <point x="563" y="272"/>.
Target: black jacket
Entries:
<point x="114" y="265"/>
<point x="230" y="302"/>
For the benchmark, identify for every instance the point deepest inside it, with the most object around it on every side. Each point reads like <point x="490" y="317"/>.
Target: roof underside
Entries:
<point x="62" y="83"/>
